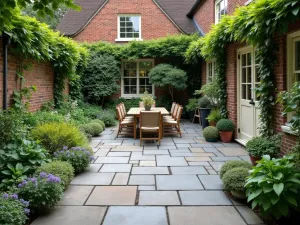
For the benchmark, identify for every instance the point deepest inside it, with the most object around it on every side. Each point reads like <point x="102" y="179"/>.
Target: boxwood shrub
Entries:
<point x="234" y="164"/>
<point x="235" y="179"/>
<point x="225" y="125"/>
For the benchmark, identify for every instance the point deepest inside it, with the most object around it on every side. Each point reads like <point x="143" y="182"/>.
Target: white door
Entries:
<point x="248" y="116"/>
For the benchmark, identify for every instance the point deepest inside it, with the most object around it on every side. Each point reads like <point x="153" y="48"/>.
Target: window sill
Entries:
<point x="128" y="39"/>
<point x="287" y="129"/>
<point x="133" y="97"/>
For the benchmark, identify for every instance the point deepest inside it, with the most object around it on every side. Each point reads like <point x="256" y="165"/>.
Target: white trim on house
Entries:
<point x="119" y="38"/>
<point x="217" y="11"/>
<point x="213" y="69"/>
<point x="138" y="95"/>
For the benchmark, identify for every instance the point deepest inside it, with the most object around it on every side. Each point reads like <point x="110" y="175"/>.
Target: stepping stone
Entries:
<point x="211" y="149"/>
<point x="197" y="159"/>
<point x="198" y="163"/>
<point x="211" y="182"/>
<point x="136" y="215"/>
<point x="150" y="170"/>
<point x="147" y="163"/>
<point x="163" y="160"/>
<point x="159" y="198"/>
<point x="188" y="170"/>
<point x="231" y="151"/>
<point x="217" y="165"/>
<point x="113" y="195"/>
<point x="141" y="180"/>
<point x="93" y="179"/>
<point x="178" y="182"/>
<point x="204" y="198"/>
<point x="249" y="216"/>
<point x="121" y="179"/>
<point x="127" y="149"/>
<point x="93" y="168"/>
<point x="146" y="188"/>
<point x="76" y="195"/>
<point x="125" y="168"/>
<point x="183" y="145"/>
<point x="140" y="156"/>
<point x="102" y="152"/>
<point x="156" y="152"/>
<point x="204" y="215"/>
<point x="118" y="154"/>
<point x="224" y="159"/>
<point x="112" y="160"/>
<point x="72" y="215"/>
<point x="196" y="150"/>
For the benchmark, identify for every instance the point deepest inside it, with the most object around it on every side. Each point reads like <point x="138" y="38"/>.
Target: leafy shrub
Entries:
<point x="225" y="125"/>
<point x="210" y="133"/>
<point x="43" y="191"/>
<point x="41" y="117"/>
<point x="96" y="128"/>
<point x="214" y="116"/>
<point x="259" y="146"/>
<point x="54" y="136"/>
<point x="108" y="117"/>
<point x="13" y="210"/>
<point x="205" y="103"/>
<point x="234" y="164"/>
<point x="296" y="153"/>
<point x="72" y="112"/>
<point x="235" y="179"/>
<point x="192" y="105"/>
<point x="87" y="130"/>
<point x="63" y="170"/>
<point x="99" y="122"/>
<point x="211" y="91"/>
<point x="79" y="158"/>
<point x="274" y="186"/>
<point x="91" y="111"/>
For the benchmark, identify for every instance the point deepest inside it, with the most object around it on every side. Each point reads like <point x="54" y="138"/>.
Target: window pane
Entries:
<point x="122" y="18"/>
<point x="149" y="89"/>
<point x="131" y="24"/>
<point x="244" y="75"/>
<point x="297" y="56"/>
<point x="136" y="35"/>
<point x="249" y="59"/>
<point x="244" y="91"/>
<point x="249" y="92"/>
<point x="244" y="60"/>
<point x="122" y="35"/>
<point x="129" y="35"/>
<point x="249" y="74"/>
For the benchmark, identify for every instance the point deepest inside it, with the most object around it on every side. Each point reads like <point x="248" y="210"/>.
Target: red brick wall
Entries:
<point x="104" y="25"/>
<point x="40" y="75"/>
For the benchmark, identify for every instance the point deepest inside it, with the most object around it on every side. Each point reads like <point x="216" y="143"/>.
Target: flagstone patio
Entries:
<point x="176" y="183"/>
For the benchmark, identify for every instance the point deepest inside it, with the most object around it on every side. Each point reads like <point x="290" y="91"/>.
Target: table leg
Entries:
<point x="135" y="124"/>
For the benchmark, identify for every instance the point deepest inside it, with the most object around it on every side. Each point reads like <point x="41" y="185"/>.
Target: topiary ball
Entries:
<point x="87" y="129"/>
<point x="234" y="164"/>
<point x="235" y="179"/>
<point x="225" y="125"/>
<point x="211" y="134"/>
<point x="96" y="128"/>
<point x="99" y="122"/>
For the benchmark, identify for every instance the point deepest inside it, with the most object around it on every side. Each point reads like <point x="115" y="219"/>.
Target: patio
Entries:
<point x="176" y="183"/>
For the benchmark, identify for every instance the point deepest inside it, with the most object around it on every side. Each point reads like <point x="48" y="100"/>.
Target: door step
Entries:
<point x="242" y="142"/>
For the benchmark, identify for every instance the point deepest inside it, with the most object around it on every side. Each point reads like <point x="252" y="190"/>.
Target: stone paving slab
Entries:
<point x="112" y="160"/>
<point x="118" y="154"/>
<point x="178" y="182"/>
<point x="211" y="182"/>
<point x="113" y="168"/>
<point x="159" y="198"/>
<point x="250" y="217"/>
<point x="233" y="151"/>
<point x="127" y="149"/>
<point x="102" y="152"/>
<point x="76" y="195"/>
<point x="113" y="195"/>
<point x="156" y="152"/>
<point x="204" y="198"/>
<point x="87" y="178"/>
<point x="141" y="180"/>
<point x="147" y="163"/>
<point x="170" y="161"/>
<point x="136" y="215"/>
<point x="121" y="179"/>
<point x="217" y="165"/>
<point x="140" y="156"/>
<point x="93" y="168"/>
<point x="224" y="159"/>
<point x="188" y="170"/>
<point x="146" y="188"/>
<point x="198" y="163"/>
<point x="72" y="215"/>
<point x="204" y="215"/>
<point x="150" y="170"/>
<point x="197" y="159"/>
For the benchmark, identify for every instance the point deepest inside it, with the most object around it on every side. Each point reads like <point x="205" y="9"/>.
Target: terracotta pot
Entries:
<point x="213" y="123"/>
<point x="226" y="136"/>
<point x="254" y="159"/>
<point x="238" y="194"/>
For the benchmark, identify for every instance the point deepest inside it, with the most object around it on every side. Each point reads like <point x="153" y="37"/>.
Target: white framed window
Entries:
<point x="210" y="71"/>
<point x="135" y="78"/>
<point x="221" y="7"/>
<point x="129" y="27"/>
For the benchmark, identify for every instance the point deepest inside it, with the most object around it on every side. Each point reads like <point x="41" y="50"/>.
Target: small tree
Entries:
<point x="165" y="75"/>
<point x="100" y="78"/>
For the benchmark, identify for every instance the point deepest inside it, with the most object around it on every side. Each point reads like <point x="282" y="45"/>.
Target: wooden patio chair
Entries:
<point x="150" y="123"/>
<point x="173" y="109"/>
<point x="141" y="105"/>
<point x="126" y="126"/>
<point x="123" y="111"/>
<point x="171" y="126"/>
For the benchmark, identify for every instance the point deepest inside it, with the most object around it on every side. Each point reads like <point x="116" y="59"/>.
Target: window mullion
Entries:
<point x="137" y="77"/>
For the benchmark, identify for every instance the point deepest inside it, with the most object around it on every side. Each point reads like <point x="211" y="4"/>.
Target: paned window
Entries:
<point x="210" y="71"/>
<point x="129" y="27"/>
<point x="221" y="9"/>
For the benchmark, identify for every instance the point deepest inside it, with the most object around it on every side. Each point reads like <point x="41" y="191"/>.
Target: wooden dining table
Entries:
<point x="136" y="112"/>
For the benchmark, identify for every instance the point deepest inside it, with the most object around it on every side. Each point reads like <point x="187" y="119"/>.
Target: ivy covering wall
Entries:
<point x="255" y="24"/>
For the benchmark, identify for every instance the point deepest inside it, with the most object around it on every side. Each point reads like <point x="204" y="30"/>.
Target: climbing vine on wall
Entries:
<point x="255" y="24"/>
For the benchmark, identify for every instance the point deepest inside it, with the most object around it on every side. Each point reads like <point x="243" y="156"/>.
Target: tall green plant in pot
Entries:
<point x="191" y="107"/>
<point x="148" y="101"/>
<point x="214" y="117"/>
<point x="205" y="109"/>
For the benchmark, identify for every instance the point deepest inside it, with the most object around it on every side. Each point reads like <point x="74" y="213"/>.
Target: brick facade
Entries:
<point x="104" y="26"/>
<point x="41" y="75"/>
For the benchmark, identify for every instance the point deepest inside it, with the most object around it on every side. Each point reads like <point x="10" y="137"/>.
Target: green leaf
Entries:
<point x="19" y="166"/>
<point x="6" y="172"/>
<point x="291" y="200"/>
<point x="295" y="11"/>
<point x="254" y="194"/>
<point x="278" y="188"/>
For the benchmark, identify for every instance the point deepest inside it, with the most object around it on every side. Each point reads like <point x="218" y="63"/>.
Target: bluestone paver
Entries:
<point x="212" y="182"/>
<point x="188" y="170"/>
<point x="170" y="161"/>
<point x="141" y="180"/>
<point x="204" y="198"/>
<point x="113" y="168"/>
<point x="250" y="216"/>
<point x="140" y="156"/>
<point x="112" y="160"/>
<point x="121" y="179"/>
<point x="147" y="163"/>
<point x="150" y="170"/>
<point x="76" y="195"/>
<point x="118" y="154"/>
<point x="93" y="179"/>
<point x="178" y="182"/>
<point x="233" y="151"/>
<point x="159" y="198"/>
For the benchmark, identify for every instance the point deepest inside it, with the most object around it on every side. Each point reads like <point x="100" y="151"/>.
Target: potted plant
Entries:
<point x="226" y="128"/>
<point x="191" y="107"/>
<point x="234" y="180"/>
<point x="214" y="117"/>
<point x="148" y="101"/>
<point x="260" y="146"/>
<point x="205" y="108"/>
<point x="211" y="134"/>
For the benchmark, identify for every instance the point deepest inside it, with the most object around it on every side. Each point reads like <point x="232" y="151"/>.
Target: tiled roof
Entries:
<point x="75" y="21"/>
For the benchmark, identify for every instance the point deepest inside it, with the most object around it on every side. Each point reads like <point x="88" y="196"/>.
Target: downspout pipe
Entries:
<point x="6" y="42"/>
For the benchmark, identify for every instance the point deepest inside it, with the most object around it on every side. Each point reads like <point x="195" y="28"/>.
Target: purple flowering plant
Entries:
<point x="13" y="209"/>
<point x="78" y="157"/>
<point x="42" y="191"/>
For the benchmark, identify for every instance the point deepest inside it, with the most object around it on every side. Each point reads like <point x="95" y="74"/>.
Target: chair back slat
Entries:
<point x="179" y="113"/>
<point x="150" y="119"/>
<point x="123" y="108"/>
<point x="173" y="107"/>
<point x="119" y="113"/>
<point x="175" y="111"/>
